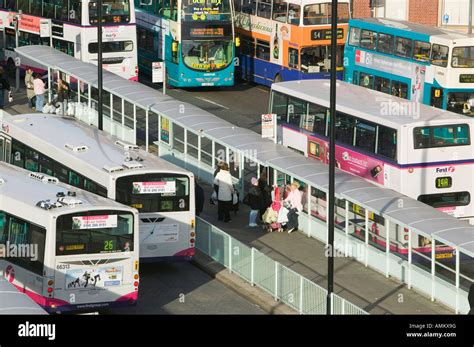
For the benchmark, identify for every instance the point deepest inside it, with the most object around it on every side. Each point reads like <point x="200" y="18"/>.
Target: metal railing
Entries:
<point x="285" y="285"/>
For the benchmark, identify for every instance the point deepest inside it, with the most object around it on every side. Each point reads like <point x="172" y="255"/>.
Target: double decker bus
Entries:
<point x="71" y="27"/>
<point x="420" y="151"/>
<point x="420" y="63"/>
<point x="283" y="40"/>
<point x="65" y="248"/>
<point x="89" y="159"/>
<point x="195" y="39"/>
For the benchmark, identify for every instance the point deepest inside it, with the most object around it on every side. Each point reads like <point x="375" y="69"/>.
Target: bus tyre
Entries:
<point x="278" y="78"/>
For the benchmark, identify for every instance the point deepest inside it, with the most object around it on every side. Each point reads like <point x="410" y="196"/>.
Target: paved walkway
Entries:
<point x="362" y="286"/>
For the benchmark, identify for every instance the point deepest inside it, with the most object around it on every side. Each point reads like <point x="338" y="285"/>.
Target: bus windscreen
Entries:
<point x="94" y="232"/>
<point x="158" y="192"/>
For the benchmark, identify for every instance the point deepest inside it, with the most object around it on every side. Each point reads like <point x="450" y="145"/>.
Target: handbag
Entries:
<point x="214" y="197"/>
<point x="235" y="198"/>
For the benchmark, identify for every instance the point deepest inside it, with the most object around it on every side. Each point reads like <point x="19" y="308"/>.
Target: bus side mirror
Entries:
<point x="174" y="46"/>
<point x="237" y="42"/>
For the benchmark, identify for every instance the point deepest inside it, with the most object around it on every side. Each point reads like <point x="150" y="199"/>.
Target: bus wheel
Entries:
<point x="278" y="78"/>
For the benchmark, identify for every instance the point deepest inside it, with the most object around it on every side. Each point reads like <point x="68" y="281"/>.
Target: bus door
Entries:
<point x="437" y="97"/>
<point x="5" y="148"/>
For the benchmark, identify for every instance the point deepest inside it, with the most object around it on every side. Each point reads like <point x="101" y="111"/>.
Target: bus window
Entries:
<point x="263" y="50"/>
<point x="11" y="4"/>
<point x="279" y="105"/>
<point x="439" y="55"/>
<point x="354" y="36"/>
<point x="385" y="43"/>
<point x="280" y="11"/>
<point x="155" y="192"/>
<point x="75" y="179"/>
<point x="403" y="47"/>
<point x="296" y="109"/>
<point x="73" y="238"/>
<point x="366" y="80"/>
<point x="31" y="160"/>
<point x="365" y="136"/>
<point x="462" y="103"/>
<point x="237" y="5"/>
<point x="264" y="8"/>
<point x="344" y="128"/>
<point x="3" y="228"/>
<point x="463" y="57"/>
<point x="314" y="59"/>
<point x="293" y="58"/>
<point x="382" y="85"/>
<point x="249" y="6"/>
<point x="247" y="46"/>
<point x="18" y="157"/>
<point x="387" y="142"/>
<point x="170" y="9"/>
<point x="64" y="46"/>
<point x="446" y="199"/>
<point x="441" y="136"/>
<point x="400" y="89"/>
<point x="10" y="42"/>
<point x="46" y="166"/>
<point x="422" y="51"/>
<point x="75" y="11"/>
<point x="318" y="114"/>
<point x="294" y="12"/>
<point x="368" y="39"/>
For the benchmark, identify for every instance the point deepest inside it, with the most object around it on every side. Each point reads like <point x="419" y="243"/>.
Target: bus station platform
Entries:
<point x="361" y="285"/>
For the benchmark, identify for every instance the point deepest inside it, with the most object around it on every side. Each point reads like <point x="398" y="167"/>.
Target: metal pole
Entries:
<point x="17" y="44"/>
<point x="164" y="77"/>
<point x="99" y="64"/>
<point x="469" y="28"/>
<point x="332" y="158"/>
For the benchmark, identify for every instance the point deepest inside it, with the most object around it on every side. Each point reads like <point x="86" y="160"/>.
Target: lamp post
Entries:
<point x="99" y="66"/>
<point x="469" y="27"/>
<point x="332" y="155"/>
<point x="17" y="44"/>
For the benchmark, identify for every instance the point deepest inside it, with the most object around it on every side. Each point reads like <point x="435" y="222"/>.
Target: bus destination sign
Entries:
<point x="209" y="31"/>
<point x="466" y="78"/>
<point x="325" y="34"/>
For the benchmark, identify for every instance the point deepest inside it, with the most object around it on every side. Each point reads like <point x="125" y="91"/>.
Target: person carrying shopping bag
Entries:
<point x="293" y="200"/>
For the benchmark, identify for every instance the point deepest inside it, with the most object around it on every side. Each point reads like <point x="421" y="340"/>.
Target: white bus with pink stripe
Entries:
<point x="71" y="27"/>
<point x="420" y="151"/>
<point x="67" y="249"/>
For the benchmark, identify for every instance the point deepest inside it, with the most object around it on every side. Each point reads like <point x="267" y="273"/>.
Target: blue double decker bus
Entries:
<point x="420" y="63"/>
<point x="195" y="38"/>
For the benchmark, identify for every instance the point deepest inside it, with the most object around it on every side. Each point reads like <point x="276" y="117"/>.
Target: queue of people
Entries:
<point x="268" y="207"/>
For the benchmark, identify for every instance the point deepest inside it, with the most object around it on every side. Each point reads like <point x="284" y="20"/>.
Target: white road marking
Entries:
<point x="211" y="102"/>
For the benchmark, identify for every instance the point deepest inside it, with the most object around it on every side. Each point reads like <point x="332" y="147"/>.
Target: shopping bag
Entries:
<point x="283" y="215"/>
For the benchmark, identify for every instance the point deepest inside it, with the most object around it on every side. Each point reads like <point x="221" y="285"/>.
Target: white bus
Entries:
<point x="420" y="151"/>
<point x="71" y="27"/>
<point x="65" y="248"/>
<point x="86" y="158"/>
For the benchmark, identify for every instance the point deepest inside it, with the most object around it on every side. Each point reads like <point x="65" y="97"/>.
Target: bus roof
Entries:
<point x="367" y="103"/>
<point x="74" y="141"/>
<point x="19" y="188"/>
<point x="405" y="26"/>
